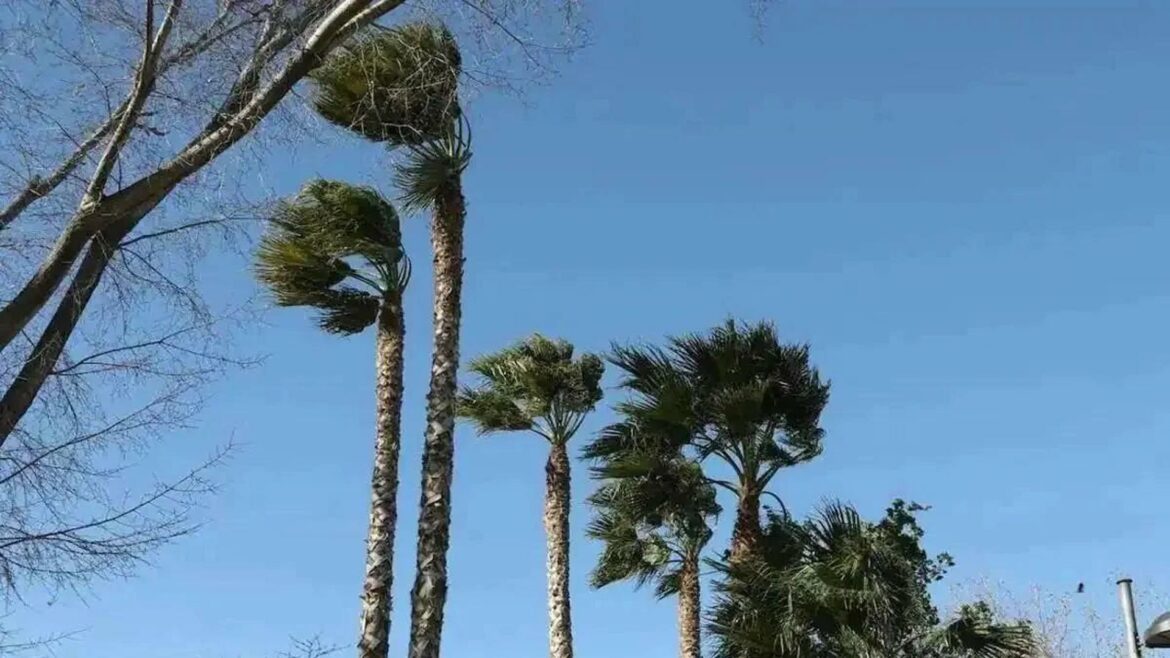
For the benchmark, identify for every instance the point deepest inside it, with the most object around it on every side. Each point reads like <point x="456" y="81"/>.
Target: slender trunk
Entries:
<point x="377" y="588"/>
<point x="747" y="533"/>
<point x="556" y="530"/>
<point x="689" y="607"/>
<point x="47" y="351"/>
<point x="429" y="594"/>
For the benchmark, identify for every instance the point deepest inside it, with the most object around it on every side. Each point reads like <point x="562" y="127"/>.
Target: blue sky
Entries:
<point x="962" y="210"/>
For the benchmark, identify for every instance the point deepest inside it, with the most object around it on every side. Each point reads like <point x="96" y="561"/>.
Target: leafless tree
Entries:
<point x="133" y="137"/>
<point x="1068" y="623"/>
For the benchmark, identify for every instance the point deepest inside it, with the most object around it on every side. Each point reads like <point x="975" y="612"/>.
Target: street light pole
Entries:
<point x="1125" y="591"/>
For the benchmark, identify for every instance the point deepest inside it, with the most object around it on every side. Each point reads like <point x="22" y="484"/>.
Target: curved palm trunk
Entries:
<point x="377" y="588"/>
<point x="747" y="532"/>
<point x="556" y="529"/>
<point x="429" y="593"/>
<point x="689" y="607"/>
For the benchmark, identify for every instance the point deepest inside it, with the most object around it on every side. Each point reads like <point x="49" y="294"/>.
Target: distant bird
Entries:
<point x="1080" y="588"/>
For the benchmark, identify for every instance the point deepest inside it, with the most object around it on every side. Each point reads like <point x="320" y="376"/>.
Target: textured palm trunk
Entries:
<point x="556" y="529"/>
<point x="429" y="594"/>
<point x="747" y="532"/>
<point x="377" y="587"/>
<point x="689" y="607"/>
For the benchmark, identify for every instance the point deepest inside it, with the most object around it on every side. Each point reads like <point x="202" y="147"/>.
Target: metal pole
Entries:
<point x="1125" y="590"/>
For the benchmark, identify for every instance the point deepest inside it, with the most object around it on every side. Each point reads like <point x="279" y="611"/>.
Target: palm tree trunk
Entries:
<point x="747" y="533"/>
<point x="429" y="594"/>
<point x="377" y="588"/>
<point x="556" y="529"/>
<point x="689" y="607"/>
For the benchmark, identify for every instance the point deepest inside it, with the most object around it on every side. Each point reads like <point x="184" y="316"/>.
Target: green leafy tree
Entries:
<point x="654" y="529"/>
<point x="836" y="586"/>
<point x="337" y="248"/>
<point x="736" y="395"/>
<point x="537" y="386"/>
<point x="399" y="86"/>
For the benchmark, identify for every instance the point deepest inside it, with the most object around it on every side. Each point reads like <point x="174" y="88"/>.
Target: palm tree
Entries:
<point x="654" y="530"/>
<point x="837" y="586"/>
<point x="399" y="86"/>
<point x="537" y="386"/>
<point x="736" y="395"/>
<point x="338" y="248"/>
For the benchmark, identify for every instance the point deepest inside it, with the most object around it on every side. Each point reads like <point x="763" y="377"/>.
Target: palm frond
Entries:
<point x="294" y="270"/>
<point x="346" y="310"/>
<point x="536" y="381"/>
<point x="492" y="411"/>
<point x="837" y="585"/>
<point x="432" y="166"/>
<point x="396" y="85"/>
<point x="302" y="257"/>
<point x="974" y="633"/>
<point x="342" y="220"/>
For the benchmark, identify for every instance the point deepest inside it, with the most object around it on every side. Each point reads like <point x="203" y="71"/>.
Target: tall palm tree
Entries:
<point x="338" y="248"/>
<point x="654" y="529"/>
<point x="736" y="395"/>
<point x="537" y="386"/>
<point x="399" y="86"/>
<point x="837" y="586"/>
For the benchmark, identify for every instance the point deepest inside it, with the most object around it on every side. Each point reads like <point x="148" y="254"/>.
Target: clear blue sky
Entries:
<point x="964" y="211"/>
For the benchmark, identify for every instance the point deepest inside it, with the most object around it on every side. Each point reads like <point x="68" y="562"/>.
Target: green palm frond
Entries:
<point x="535" y="384"/>
<point x="735" y="393"/>
<point x="396" y="85"/>
<point x="974" y="633"/>
<point x="837" y="585"/>
<point x="627" y="554"/>
<point x="303" y="257"/>
<point x="346" y="310"/>
<point x="492" y="411"/>
<point x="652" y="515"/>
<point x="293" y="269"/>
<point x="343" y="220"/>
<point x="431" y="167"/>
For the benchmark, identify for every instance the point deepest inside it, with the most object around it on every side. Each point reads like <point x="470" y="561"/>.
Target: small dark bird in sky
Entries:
<point x="1080" y="588"/>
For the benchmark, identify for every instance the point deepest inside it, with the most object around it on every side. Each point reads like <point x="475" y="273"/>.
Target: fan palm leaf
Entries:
<point x="396" y="85"/>
<point x="735" y="394"/>
<point x="838" y="586"/>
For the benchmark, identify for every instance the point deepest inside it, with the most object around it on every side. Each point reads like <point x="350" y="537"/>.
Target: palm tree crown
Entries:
<point x="337" y="248"/>
<point x="400" y="86"/>
<point x="395" y="85"/>
<point x="838" y="586"/>
<point x="652" y="526"/>
<point x="534" y="385"/>
<point x="736" y="394"/>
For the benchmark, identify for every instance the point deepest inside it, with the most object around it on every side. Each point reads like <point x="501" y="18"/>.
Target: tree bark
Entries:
<point x="689" y="608"/>
<point x="121" y="212"/>
<point x="377" y="588"/>
<point x="747" y="532"/>
<point x="429" y="594"/>
<point x="41" y="361"/>
<point x="132" y="203"/>
<point x="556" y="529"/>
<point x="70" y="244"/>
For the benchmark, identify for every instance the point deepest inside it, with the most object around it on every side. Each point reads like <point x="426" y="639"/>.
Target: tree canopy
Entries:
<point x="838" y="586"/>
<point x="534" y="385"/>
<point x="305" y="258"/>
